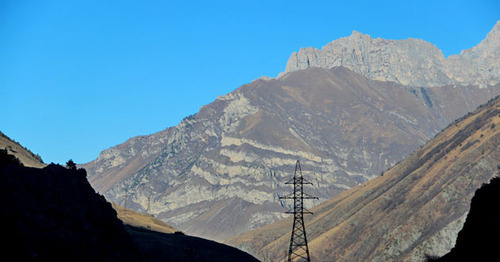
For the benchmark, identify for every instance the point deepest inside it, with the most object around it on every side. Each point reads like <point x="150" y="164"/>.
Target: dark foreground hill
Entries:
<point x="478" y="239"/>
<point x="53" y="214"/>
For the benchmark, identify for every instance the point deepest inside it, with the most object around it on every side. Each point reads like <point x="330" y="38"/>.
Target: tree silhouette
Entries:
<point x="71" y="165"/>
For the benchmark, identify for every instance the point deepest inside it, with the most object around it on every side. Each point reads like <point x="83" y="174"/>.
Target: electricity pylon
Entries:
<point x="298" y="242"/>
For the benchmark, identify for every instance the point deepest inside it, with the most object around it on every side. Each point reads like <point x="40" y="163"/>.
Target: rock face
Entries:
<point x="409" y="62"/>
<point x="415" y="209"/>
<point x="220" y="172"/>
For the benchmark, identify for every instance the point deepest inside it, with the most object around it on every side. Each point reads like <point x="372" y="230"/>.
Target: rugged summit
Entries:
<point x="415" y="209"/>
<point x="220" y="172"/>
<point x="411" y="62"/>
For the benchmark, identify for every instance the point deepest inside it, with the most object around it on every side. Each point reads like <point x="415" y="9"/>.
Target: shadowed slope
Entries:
<point x="53" y="214"/>
<point x="478" y="239"/>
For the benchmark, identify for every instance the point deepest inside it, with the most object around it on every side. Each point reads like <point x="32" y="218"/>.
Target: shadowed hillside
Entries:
<point x="53" y="214"/>
<point x="415" y="209"/>
<point x="478" y="239"/>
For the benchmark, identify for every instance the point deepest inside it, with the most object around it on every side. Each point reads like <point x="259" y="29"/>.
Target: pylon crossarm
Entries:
<point x="289" y="196"/>
<point x="305" y="181"/>
<point x="307" y="212"/>
<point x="307" y="196"/>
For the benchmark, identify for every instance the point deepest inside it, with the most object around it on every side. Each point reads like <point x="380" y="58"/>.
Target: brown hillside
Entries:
<point x="23" y="154"/>
<point x="136" y="219"/>
<point x="415" y="208"/>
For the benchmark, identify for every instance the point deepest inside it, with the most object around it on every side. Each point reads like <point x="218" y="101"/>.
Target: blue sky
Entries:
<point x="77" y="77"/>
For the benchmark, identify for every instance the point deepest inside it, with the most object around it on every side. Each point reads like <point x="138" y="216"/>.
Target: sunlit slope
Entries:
<point x="416" y="208"/>
<point x="130" y="217"/>
<point x="22" y="153"/>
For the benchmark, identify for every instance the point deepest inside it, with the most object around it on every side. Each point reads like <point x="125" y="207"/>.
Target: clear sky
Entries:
<point x="77" y="77"/>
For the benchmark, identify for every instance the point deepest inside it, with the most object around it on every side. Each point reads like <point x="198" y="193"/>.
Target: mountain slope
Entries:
<point x="23" y="154"/>
<point x="234" y="155"/>
<point x="132" y="218"/>
<point x="411" y="62"/>
<point x="415" y="208"/>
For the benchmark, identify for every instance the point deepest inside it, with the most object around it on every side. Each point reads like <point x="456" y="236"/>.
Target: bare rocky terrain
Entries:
<point x="221" y="171"/>
<point x="411" y="62"/>
<point x="414" y="210"/>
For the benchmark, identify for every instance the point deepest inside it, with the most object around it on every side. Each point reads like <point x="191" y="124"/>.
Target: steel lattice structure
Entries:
<point x="298" y="242"/>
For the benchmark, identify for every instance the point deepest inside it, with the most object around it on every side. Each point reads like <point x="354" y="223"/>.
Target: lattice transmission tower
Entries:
<point x="298" y="242"/>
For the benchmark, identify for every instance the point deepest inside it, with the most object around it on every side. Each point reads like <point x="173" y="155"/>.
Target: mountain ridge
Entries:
<point x="392" y="60"/>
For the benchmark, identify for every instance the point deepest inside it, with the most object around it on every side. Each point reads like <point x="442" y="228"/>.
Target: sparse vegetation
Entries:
<point x="5" y="157"/>
<point x="71" y="165"/>
<point x="36" y="156"/>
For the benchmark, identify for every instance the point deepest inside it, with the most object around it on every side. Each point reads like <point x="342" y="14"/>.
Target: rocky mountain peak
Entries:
<point x="494" y="35"/>
<point x="410" y="61"/>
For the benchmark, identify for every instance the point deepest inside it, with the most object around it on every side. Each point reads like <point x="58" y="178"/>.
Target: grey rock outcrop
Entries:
<point x="411" y="62"/>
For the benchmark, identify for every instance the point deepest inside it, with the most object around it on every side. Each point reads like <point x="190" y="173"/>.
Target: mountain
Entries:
<point x="411" y="62"/>
<point x="414" y="209"/>
<point x="221" y="171"/>
<point x="24" y="155"/>
<point x="53" y="214"/>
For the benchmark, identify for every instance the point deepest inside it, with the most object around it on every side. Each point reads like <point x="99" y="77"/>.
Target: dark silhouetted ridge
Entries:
<point x="53" y="214"/>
